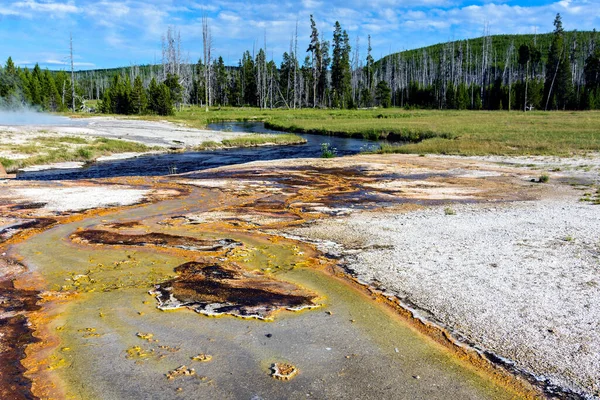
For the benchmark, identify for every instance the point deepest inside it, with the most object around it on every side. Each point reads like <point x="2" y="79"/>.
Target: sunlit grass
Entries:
<point x="254" y="140"/>
<point x="49" y="150"/>
<point x="427" y="131"/>
<point x="431" y="131"/>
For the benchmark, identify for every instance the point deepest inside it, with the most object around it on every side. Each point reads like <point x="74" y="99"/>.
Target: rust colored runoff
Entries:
<point x="154" y="238"/>
<point x="213" y="289"/>
<point x="15" y="335"/>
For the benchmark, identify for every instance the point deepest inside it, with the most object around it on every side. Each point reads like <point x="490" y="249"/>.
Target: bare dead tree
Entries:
<point x="507" y="67"/>
<point x="72" y="73"/>
<point x="207" y="50"/>
<point x="295" y="60"/>
<point x="171" y="53"/>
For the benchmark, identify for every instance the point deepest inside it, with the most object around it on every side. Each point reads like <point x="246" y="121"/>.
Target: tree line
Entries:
<point x="50" y="91"/>
<point x="554" y="71"/>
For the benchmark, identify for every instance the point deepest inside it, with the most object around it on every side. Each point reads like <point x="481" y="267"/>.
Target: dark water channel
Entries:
<point x="162" y="164"/>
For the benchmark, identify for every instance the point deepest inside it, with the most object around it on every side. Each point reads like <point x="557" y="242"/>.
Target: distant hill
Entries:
<point x="580" y="43"/>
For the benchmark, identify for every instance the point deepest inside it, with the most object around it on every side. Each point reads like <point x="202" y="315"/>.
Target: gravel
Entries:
<point x="521" y="280"/>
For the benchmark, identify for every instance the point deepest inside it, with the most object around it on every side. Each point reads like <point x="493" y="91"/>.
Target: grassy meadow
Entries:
<point x="560" y="133"/>
<point x="430" y="131"/>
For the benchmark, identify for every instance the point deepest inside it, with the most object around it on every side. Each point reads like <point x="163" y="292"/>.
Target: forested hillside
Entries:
<point x="559" y="70"/>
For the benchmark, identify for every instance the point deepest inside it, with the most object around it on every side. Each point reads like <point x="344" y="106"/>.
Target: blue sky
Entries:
<point x="111" y="33"/>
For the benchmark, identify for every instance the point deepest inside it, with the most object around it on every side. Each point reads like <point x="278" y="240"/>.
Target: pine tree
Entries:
<point x="164" y="104"/>
<point x="558" y="87"/>
<point x="10" y="67"/>
<point x="592" y="80"/>
<point x="316" y="58"/>
<point x="51" y="97"/>
<point x="35" y="86"/>
<point x="153" y="94"/>
<point x="24" y="77"/>
<point x="9" y="79"/>
<point x="176" y="90"/>
<point x="383" y="94"/>
<point x="451" y="96"/>
<point x="139" y="101"/>
<point x="105" y="105"/>
<point x="248" y="79"/>
<point x="340" y="67"/>
<point x="462" y="97"/>
<point x="221" y="82"/>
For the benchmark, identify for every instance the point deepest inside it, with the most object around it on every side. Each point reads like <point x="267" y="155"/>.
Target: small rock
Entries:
<point x="269" y="335"/>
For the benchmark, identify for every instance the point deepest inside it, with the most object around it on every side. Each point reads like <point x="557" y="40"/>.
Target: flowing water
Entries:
<point x="162" y="164"/>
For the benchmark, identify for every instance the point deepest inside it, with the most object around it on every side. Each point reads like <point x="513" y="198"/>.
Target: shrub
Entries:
<point x="449" y="211"/>
<point x="327" y="151"/>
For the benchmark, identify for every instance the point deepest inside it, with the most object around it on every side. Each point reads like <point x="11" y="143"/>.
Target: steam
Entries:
<point x="30" y="117"/>
<point x="14" y="112"/>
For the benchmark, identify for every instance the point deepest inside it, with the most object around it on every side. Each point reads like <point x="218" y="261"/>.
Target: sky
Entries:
<point x="115" y="33"/>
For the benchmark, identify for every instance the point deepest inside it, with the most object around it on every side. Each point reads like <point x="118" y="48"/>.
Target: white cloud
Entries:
<point x="75" y="63"/>
<point x="121" y="30"/>
<point x="47" y="7"/>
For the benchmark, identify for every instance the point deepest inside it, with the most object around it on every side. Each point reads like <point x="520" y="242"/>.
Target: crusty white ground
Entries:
<point x="60" y="165"/>
<point x="159" y="134"/>
<point x="61" y="199"/>
<point x="521" y="280"/>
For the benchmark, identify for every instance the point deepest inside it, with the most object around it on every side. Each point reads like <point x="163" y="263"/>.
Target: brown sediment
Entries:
<point x="325" y="189"/>
<point x="27" y="206"/>
<point x="124" y="225"/>
<point x="154" y="238"/>
<point x="217" y="289"/>
<point x="15" y="336"/>
<point x="39" y="362"/>
<point x="36" y="223"/>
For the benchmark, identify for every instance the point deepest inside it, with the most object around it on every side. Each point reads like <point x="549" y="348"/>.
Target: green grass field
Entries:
<point x="428" y="131"/>
<point x="431" y="131"/>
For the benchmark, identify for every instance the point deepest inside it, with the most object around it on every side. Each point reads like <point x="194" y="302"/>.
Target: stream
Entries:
<point x="162" y="164"/>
